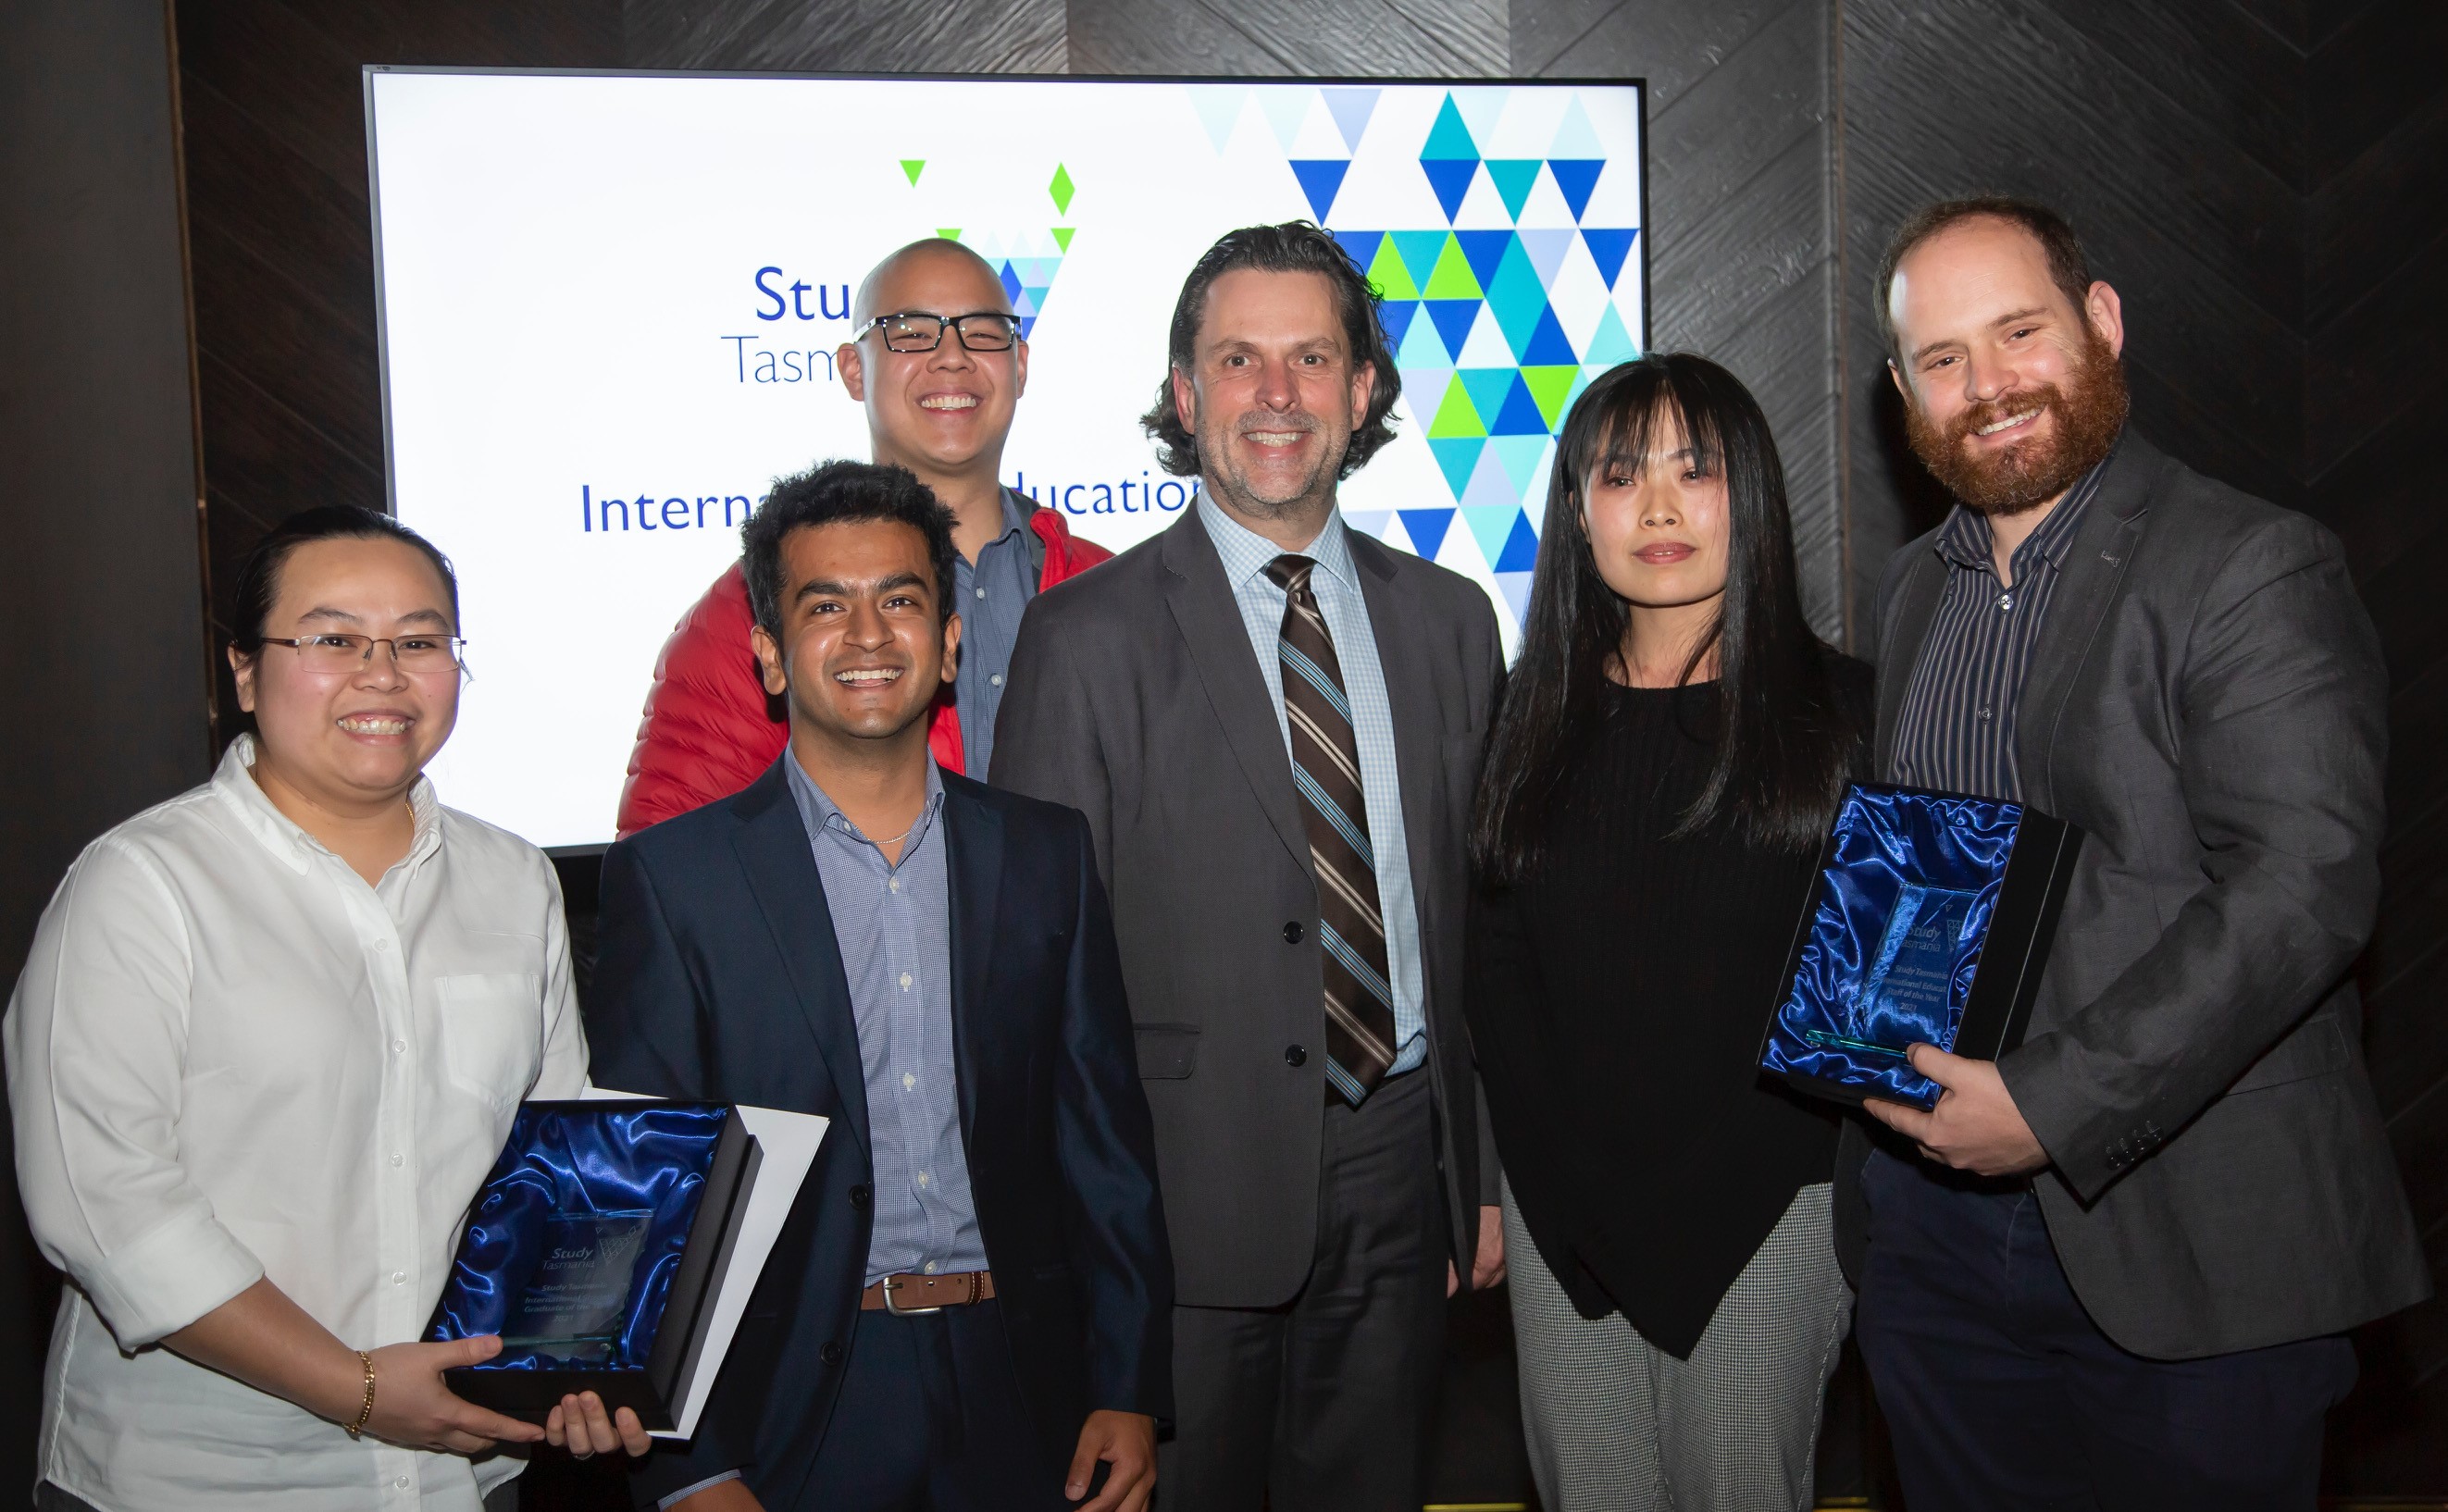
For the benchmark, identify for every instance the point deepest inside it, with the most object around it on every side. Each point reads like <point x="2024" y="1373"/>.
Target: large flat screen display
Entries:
<point x="610" y="303"/>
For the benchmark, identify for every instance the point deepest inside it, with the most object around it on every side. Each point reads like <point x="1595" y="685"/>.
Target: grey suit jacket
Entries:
<point x="1134" y="698"/>
<point x="2206" y="702"/>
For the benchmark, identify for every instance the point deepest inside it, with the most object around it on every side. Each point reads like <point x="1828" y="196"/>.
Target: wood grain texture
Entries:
<point x="949" y="36"/>
<point x="1674" y="44"/>
<point x="2211" y="61"/>
<point x="1369" y="38"/>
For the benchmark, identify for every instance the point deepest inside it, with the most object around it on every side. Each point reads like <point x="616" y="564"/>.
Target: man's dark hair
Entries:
<point x="258" y="576"/>
<point x="1296" y="247"/>
<point x="832" y="492"/>
<point x="2068" y="268"/>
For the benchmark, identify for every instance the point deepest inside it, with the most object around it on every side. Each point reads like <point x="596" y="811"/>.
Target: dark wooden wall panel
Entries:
<point x="952" y="36"/>
<point x="2377" y="237"/>
<point x="99" y="606"/>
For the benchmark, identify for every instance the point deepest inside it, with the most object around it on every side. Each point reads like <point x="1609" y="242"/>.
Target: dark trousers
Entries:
<point x="2002" y="1393"/>
<point x="930" y="1419"/>
<point x="1325" y="1403"/>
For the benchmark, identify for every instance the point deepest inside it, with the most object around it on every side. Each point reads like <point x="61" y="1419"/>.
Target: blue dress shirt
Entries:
<point x="894" y="925"/>
<point x="989" y="596"/>
<point x="1336" y="584"/>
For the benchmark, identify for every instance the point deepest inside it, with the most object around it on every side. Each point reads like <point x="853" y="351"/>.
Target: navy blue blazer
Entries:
<point x="720" y="978"/>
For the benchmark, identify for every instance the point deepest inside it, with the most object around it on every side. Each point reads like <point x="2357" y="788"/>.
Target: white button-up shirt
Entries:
<point x="230" y="1058"/>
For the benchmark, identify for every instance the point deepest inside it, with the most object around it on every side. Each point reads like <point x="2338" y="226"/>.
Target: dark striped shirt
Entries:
<point x="1955" y="731"/>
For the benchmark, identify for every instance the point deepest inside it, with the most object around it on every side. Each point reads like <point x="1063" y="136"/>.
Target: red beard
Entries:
<point x="2028" y="473"/>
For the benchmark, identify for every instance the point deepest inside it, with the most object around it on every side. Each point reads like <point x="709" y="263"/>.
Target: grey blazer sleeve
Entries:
<point x="2281" y="708"/>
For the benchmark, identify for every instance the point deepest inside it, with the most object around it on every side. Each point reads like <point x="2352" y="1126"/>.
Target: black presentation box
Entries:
<point x="595" y="1250"/>
<point x="1930" y="921"/>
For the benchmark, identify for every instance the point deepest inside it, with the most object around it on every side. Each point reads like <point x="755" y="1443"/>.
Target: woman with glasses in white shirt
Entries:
<point x="267" y="1046"/>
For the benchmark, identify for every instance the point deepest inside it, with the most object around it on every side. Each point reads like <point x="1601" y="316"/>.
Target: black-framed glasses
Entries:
<point x="337" y="653"/>
<point x="921" y="330"/>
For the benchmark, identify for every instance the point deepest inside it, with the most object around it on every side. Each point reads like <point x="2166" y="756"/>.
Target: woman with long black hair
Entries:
<point x="1672" y="744"/>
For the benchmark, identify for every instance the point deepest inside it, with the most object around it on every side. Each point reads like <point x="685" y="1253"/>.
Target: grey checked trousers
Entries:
<point x="1616" y="1425"/>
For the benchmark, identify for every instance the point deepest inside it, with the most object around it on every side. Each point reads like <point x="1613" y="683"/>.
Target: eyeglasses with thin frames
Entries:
<point x="414" y="654"/>
<point x="923" y="331"/>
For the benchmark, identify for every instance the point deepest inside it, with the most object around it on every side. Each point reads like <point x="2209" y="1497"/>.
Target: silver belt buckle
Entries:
<point x="892" y="1285"/>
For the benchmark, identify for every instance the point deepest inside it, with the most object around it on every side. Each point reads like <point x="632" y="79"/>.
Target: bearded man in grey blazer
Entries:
<point x="1274" y="725"/>
<point x="2114" y="1267"/>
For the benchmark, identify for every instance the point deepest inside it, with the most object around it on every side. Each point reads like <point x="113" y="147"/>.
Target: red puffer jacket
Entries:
<point x="709" y="729"/>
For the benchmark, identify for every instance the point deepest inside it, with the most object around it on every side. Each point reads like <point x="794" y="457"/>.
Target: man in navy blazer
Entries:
<point x="970" y="1305"/>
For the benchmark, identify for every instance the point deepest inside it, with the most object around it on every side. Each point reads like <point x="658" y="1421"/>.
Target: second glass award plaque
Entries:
<point x="1929" y="924"/>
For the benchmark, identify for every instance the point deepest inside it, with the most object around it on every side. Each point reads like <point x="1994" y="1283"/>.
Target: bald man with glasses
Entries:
<point x="937" y="359"/>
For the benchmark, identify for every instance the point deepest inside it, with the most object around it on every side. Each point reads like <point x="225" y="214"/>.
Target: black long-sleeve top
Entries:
<point x="1617" y="996"/>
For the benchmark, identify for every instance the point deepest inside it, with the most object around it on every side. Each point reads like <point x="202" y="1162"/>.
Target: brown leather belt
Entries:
<point x="911" y="1292"/>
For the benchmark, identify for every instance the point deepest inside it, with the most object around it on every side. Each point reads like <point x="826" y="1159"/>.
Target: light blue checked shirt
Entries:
<point x="1336" y="584"/>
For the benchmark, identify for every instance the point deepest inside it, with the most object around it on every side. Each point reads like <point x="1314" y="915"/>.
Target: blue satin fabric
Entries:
<point x="1890" y="840"/>
<point x="591" y="1157"/>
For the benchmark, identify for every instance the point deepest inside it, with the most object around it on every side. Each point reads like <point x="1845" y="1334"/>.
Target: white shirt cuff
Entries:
<point x="685" y="1492"/>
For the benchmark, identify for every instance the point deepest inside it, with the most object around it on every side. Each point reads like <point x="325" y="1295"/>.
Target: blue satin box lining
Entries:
<point x="1929" y="924"/>
<point x="590" y="1249"/>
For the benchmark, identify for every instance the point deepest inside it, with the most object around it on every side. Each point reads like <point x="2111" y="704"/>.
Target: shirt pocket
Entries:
<point x="493" y="1032"/>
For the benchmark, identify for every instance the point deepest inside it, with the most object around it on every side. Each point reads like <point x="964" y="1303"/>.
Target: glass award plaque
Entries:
<point x="592" y="1250"/>
<point x="575" y="1303"/>
<point x="1929" y="922"/>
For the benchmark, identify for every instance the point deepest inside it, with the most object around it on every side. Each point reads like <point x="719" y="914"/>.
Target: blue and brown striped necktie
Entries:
<point x="1326" y="768"/>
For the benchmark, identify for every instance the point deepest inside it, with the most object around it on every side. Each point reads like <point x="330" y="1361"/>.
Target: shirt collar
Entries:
<point x="1246" y="553"/>
<point x="234" y="779"/>
<point x="1966" y="541"/>
<point x="821" y="814"/>
<point x="1015" y="519"/>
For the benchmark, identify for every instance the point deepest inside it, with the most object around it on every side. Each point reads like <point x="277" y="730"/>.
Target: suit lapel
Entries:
<point x="1210" y="621"/>
<point x="771" y="844"/>
<point x="974" y="855"/>
<point x="2095" y="567"/>
<point x="1900" y="648"/>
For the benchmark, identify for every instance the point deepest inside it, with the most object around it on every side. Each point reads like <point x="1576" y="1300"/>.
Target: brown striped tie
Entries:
<point x="1326" y="768"/>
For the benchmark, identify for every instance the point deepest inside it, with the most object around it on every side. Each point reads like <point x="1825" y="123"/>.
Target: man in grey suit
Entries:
<point x="2119" y="1273"/>
<point x="1274" y="725"/>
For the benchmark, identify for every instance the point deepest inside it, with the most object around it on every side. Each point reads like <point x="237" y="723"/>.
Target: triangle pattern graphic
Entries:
<point x="1321" y="178"/>
<point x="1491" y="526"/>
<point x="1285" y="107"/>
<point x="1449" y="138"/>
<point x="1351" y="109"/>
<point x="1450" y="177"/>
<point x="1428" y="527"/>
<point x="1499" y="318"/>
<point x="1579" y="178"/>
<point x="1515" y="588"/>
<point x="1514" y="178"/>
<point x="1574" y="136"/>
<point x="1458" y="458"/>
<point x="1521" y="546"/>
<point x="1608" y="249"/>
<point x="1219" y="108"/>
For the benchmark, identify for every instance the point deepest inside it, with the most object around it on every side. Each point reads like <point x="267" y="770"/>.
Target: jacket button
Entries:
<point x="1293" y="932"/>
<point x="1295" y="1055"/>
<point x="859" y="1196"/>
<point x="831" y="1353"/>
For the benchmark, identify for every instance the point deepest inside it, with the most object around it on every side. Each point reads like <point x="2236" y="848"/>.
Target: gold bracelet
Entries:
<point x="365" y="1413"/>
